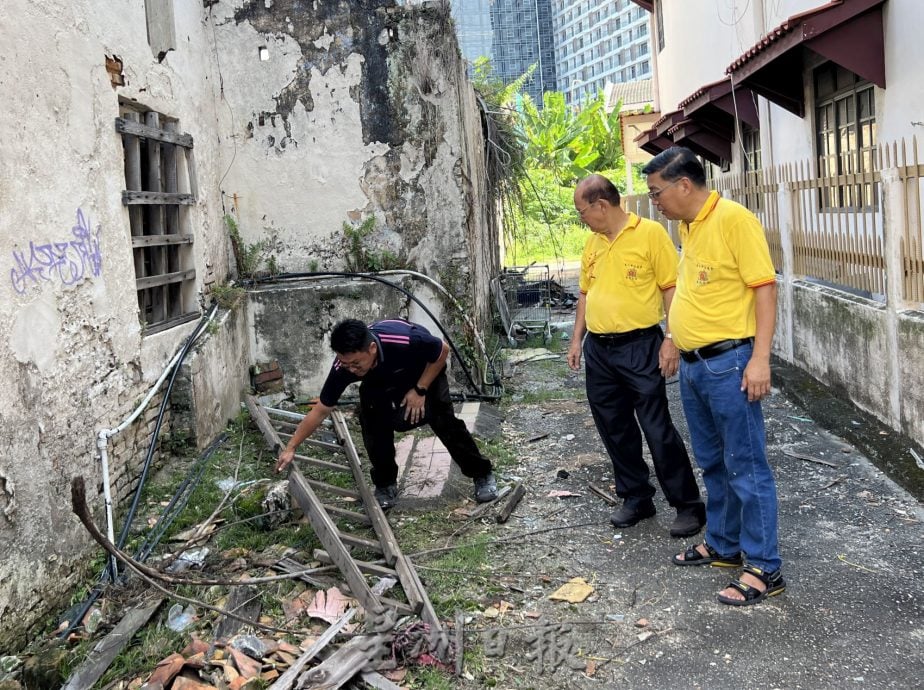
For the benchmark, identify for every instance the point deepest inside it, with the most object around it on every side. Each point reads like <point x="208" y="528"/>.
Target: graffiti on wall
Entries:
<point x="68" y="262"/>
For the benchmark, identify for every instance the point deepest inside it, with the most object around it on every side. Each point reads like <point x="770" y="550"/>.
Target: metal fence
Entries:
<point x="838" y="229"/>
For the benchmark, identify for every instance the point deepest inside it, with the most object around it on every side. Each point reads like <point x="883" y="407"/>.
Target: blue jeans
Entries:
<point x="729" y="443"/>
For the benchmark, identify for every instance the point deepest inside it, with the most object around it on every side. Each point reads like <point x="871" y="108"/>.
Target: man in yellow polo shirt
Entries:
<point x="628" y="271"/>
<point x="722" y="317"/>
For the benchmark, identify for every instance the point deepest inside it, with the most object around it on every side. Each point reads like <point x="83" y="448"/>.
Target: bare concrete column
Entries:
<point x="785" y="199"/>
<point x="893" y="215"/>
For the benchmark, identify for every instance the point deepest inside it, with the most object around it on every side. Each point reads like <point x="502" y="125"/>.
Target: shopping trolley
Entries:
<point x="523" y="298"/>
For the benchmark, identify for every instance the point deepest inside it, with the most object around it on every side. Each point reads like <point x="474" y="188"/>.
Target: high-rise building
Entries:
<point x="514" y="34"/>
<point x="473" y="27"/>
<point x="599" y="41"/>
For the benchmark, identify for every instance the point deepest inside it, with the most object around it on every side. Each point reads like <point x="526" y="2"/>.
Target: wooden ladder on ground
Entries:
<point x="339" y="545"/>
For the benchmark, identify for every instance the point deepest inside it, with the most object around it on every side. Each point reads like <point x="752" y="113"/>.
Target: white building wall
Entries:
<point x="73" y="354"/>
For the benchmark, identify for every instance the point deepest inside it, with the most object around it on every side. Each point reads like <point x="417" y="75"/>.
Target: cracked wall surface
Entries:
<point x="359" y="110"/>
<point x="367" y="113"/>
<point x="73" y="351"/>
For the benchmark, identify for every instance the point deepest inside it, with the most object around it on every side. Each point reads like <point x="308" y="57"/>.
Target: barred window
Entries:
<point x="160" y="187"/>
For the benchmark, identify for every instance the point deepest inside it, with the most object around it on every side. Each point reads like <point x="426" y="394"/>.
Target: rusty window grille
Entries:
<point x="160" y="187"/>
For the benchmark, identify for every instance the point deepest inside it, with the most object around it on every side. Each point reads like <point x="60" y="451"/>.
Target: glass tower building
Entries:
<point x="516" y="34"/>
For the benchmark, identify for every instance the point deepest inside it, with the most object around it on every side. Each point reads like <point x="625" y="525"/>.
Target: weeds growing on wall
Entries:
<point x="359" y="256"/>
<point x="248" y="257"/>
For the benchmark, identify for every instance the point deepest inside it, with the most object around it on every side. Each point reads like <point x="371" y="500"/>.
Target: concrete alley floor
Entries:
<point x="851" y="539"/>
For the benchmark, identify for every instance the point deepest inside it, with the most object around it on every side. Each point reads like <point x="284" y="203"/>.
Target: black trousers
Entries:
<point x="625" y="382"/>
<point x="379" y="416"/>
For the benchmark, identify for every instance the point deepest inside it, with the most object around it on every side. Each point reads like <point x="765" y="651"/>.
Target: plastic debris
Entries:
<point x="178" y="618"/>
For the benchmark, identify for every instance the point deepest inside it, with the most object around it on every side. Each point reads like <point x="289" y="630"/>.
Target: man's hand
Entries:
<point x="413" y="406"/>
<point x="756" y="379"/>
<point x="668" y="358"/>
<point x="285" y="457"/>
<point x="574" y="354"/>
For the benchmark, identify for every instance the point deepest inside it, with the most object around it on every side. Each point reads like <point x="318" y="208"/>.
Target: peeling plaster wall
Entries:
<point x="291" y="324"/>
<point x="367" y="112"/>
<point x="73" y="353"/>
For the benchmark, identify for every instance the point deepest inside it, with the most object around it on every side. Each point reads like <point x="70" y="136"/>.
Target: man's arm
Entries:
<point x="668" y="355"/>
<point x="413" y="403"/>
<point x="577" y="337"/>
<point x="756" y="379"/>
<point x="305" y="428"/>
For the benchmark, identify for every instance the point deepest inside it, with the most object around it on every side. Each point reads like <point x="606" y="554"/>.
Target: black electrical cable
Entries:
<point x="107" y="575"/>
<point x="479" y="395"/>
<point x="149" y="457"/>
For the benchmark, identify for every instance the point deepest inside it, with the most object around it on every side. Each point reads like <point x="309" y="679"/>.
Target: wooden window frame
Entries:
<point x="845" y="141"/>
<point x="160" y="187"/>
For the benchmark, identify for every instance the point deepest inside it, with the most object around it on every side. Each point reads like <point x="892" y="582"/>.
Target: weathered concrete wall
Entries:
<point x="366" y="113"/>
<point x="848" y="343"/>
<point x="73" y="353"/>
<point x="911" y="366"/>
<point x="209" y="387"/>
<point x="291" y="323"/>
<point x="841" y="340"/>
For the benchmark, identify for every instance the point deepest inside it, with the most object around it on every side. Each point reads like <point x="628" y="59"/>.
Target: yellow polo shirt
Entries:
<point x="623" y="279"/>
<point x="724" y="257"/>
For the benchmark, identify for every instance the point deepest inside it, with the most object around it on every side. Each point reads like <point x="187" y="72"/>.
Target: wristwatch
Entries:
<point x="669" y="336"/>
<point x="420" y="390"/>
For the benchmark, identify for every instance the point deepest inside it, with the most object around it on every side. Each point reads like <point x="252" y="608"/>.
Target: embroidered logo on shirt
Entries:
<point x="632" y="271"/>
<point x="702" y="273"/>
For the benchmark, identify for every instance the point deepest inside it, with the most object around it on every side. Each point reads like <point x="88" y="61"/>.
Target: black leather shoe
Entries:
<point x="687" y="523"/>
<point x="631" y="515"/>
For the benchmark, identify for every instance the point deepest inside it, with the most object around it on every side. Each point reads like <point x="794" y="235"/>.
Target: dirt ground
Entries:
<point x="851" y="540"/>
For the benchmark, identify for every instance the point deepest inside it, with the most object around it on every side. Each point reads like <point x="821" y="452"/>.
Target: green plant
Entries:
<point x="359" y="257"/>
<point x="248" y="257"/>
<point x="227" y="295"/>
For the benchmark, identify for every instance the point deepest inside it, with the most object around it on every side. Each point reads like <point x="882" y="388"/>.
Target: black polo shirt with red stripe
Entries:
<point x="405" y="349"/>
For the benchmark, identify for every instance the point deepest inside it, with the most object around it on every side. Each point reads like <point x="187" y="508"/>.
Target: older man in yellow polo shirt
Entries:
<point x="628" y="271"/>
<point x="723" y="315"/>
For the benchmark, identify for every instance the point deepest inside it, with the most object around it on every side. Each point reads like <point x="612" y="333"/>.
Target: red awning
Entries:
<point x="717" y="107"/>
<point x="847" y="32"/>
<point x="651" y="142"/>
<point x="711" y="145"/>
<point x="645" y="4"/>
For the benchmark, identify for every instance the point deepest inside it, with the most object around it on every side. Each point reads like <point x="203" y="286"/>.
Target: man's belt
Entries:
<point x="714" y="349"/>
<point x="625" y="336"/>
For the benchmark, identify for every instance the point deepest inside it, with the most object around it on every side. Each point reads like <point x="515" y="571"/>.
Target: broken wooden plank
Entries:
<point x="809" y="458"/>
<point x="107" y="649"/>
<point x="378" y="681"/>
<point x="379" y="522"/>
<point x="262" y="421"/>
<point x="415" y="597"/>
<point x="460" y="642"/>
<point x="245" y="602"/>
<point x="515" y="496"/>
<point x="126" y="126"/>
<point x="330" y="537"/>
<point x="605" y="495"/>
<point x="349" y="660"/>
<point x="345" y="514"/>
<point x="482" y="508"/>
<point x="287" y="565"/>
<point x="368" y="567"/>
<point x="287" y="679"/>
<point x="333" y="489"/>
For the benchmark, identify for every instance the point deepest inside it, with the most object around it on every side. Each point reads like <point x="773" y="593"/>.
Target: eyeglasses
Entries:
<point x="659" y="192"/>
<point x="582" y="210"/>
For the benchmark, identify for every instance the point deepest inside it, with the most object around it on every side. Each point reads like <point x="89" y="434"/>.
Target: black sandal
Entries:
<point x="693" y="557"/>
<point x="775" y="584"/>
